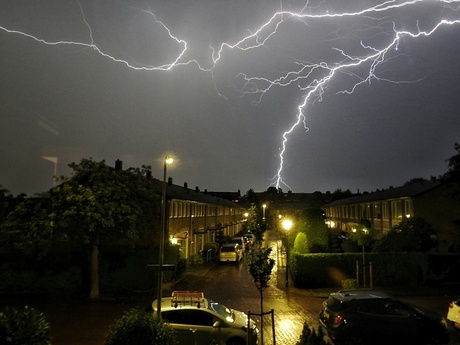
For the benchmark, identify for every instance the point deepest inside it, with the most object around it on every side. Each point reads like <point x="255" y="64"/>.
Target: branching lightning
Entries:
<point x="311" y="78"/>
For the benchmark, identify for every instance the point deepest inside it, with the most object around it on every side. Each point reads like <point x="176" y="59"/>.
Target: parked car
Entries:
<point x="249" y="238"/>
<point x="453" y="314"/>
<point x="355" y="317"/>
<point x="198" y="320"/>
<point x="230" y="252"/>
<point x="241" y="241"/>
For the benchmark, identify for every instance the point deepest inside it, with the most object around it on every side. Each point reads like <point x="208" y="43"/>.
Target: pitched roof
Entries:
<point x="412" y="189"/>
<point x="184" y="193"/>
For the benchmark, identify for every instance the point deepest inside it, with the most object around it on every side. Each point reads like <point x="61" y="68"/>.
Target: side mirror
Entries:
<point x="216" y="324"/>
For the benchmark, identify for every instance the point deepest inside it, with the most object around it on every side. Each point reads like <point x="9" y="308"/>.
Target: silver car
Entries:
<point x="198" y="320"/>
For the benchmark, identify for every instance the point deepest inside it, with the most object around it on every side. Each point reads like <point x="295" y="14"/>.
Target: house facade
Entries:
<point x="382" y="210"/>
<point x="195" y="217"/>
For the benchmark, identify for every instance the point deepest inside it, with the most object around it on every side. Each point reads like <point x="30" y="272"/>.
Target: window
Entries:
<point x="385" y="213"/>
<point x="201" y="318"/>
<point x="396" y="210"/>
<point x="377" y="212"/>
<point x="408" y="211"/>
<point x="189" y="317"/>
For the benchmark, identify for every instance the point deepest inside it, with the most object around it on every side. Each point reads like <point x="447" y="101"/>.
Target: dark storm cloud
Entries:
<point x="226" y="134"/>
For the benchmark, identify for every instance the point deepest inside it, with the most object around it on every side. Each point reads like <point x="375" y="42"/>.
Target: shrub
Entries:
<point x="349" y="284"/>
<point x="26" y="326"/>
<point x="196" y="259"/>
<point x="301" y="243"/>
<point x="139" y="328"/>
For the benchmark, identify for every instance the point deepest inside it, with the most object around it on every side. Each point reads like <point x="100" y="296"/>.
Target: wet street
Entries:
<point x="79" y="322"/>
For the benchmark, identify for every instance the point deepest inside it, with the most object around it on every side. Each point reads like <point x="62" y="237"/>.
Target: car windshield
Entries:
<point x="222" y="310"/>
<point x="228" y="249"/>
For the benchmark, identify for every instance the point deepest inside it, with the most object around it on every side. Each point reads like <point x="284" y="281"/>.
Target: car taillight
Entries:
<point x="338" y="320"/>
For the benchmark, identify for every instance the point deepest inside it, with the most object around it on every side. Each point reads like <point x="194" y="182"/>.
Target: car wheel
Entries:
<point x="235" y="341"/>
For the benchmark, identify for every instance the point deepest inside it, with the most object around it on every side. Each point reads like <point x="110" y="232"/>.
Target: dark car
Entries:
<point x="353" y="317"/>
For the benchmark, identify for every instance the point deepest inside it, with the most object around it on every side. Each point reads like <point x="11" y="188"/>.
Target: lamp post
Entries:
<point x="167" y="160"/>
<point x="287" y="224"/>
<point x="263" y="211"/>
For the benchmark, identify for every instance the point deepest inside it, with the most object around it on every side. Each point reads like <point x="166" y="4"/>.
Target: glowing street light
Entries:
<point x="167" y="160"/>
<point x="287" y="224"/>
<point x="263" y="214"/>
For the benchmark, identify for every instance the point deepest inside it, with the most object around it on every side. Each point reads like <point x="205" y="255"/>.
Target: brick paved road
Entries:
<point x="232" y="285"/>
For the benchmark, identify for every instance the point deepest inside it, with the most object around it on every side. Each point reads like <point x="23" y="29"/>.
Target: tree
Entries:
<point x="260" y="266"/>
<point x="29" y="227"/>
<point x="452" y="177"/>
<point x="453" y="172"/>
<point x="253" y="225"/>
<point x="99" y="201"/>
<point x="96" y="202"/>
<point x="311" y="223"/>
<point x="411" y="235"/>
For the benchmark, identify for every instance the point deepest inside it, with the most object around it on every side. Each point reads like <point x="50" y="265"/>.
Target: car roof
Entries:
<point x="183" y="300"/>
<point x="348" y="295"/>
<point x="230" y="244"/>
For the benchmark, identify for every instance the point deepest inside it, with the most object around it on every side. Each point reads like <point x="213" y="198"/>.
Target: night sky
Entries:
<point x="216" y="84"/>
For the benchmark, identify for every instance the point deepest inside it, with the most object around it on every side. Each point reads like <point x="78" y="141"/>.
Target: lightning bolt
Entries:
<point x="311" y="78"/>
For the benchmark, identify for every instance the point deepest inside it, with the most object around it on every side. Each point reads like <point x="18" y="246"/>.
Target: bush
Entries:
<point x="196" y="259"/>
<point x="349" y="284"/>
<point x="301" y="243"/>
<point x="26" y="326"/>
<point x="139" y="328"/>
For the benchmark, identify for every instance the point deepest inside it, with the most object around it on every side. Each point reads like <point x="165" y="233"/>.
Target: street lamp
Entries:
<point x="167" y="160"/>
<point x="287" y="224"/>
<point x="263" y="213"/>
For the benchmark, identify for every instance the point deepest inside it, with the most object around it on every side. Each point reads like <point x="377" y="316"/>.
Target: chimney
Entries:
<point x="197" y="189"/>
<point x="170" y="180"/>
<point x="118" y="165"/>
<point x="185" y="185"/>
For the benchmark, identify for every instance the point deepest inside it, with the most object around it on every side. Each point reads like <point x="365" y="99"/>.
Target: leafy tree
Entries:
<point x="260" y="266"/>
<point x="452" y="176"/>
<point x="99" y="201"/>
<point x="411" y="235"/>
<point x="253" y="225"/>
<point x="29" y="227"/>
<point x="311" y="223"/>
<point x="96" y="202"/>
<point x="250" y="197"/>
<point x="453" y="172"/>
<point x="363" y="235"/>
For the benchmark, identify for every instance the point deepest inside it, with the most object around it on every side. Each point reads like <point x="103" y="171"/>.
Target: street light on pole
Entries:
<point x="263" y="212"/>
<point x="287" y="224"/>
<point x="167" y="160"/>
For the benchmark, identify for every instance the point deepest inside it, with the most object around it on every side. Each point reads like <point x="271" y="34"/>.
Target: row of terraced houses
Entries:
<point x="197" y="217"/>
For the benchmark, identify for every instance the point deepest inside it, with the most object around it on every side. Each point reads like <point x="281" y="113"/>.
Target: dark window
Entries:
<point x="176" y="316"/>
<point x="376" y="307"/>
<point x="201" y="318"/>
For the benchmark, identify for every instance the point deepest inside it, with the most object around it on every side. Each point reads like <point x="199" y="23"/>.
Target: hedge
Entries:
<point x="330" y="270"/>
